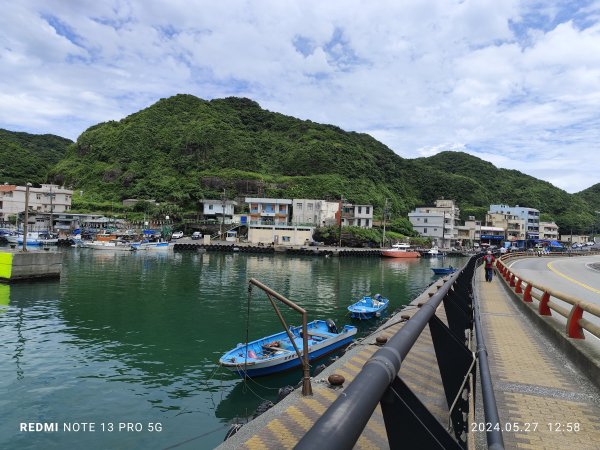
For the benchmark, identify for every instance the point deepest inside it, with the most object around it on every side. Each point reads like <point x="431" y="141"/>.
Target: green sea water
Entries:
<point x="124" y="347"/>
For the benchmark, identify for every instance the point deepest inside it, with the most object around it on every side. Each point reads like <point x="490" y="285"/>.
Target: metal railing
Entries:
<point x="408" y="422"/>
<point x="548" y="297"/>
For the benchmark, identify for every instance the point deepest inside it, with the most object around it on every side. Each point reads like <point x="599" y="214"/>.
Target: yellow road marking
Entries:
<point x="583" y="285"/>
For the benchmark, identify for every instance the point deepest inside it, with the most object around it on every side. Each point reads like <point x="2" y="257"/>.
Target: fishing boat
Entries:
<point x="276" y="353"/>
<point x="145" y="245"/>
<point x="33" y="238"/>
<point x="443" y="270"/>
<point x="368" y="307"/>
<point x="113" y="244"/>
<point x="400" y="250"/>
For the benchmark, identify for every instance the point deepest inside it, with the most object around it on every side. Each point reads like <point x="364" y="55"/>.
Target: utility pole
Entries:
<point x="384" y="214"/>
<point x="27" y="186"/>
<point x="222" y="214"/>
<point x="341" y="211"/>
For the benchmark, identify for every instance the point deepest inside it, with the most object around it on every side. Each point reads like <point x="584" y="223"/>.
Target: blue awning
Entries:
<point x="555" y="244"/>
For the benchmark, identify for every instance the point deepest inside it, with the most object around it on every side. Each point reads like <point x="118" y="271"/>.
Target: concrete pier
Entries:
<point x="16" y="265"/>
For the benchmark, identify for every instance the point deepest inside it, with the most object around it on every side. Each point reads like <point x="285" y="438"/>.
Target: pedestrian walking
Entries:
<point x="489" y="266"/>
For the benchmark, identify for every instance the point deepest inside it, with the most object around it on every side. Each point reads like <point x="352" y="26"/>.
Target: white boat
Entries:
<point x="150" y="246"/>
<point x="114" y="245"/>
<point x="433" y="251"/>
<point x="33" y="238"/>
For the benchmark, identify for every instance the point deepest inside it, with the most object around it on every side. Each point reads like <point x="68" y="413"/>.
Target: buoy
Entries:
<point x="380" y="340"/>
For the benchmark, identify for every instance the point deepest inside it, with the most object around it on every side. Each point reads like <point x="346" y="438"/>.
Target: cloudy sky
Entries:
<point x="516" y="83"/>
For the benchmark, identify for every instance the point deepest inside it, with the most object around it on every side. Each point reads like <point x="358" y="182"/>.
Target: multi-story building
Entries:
<point x="219" y="210"/>
<point x="314" y="212"/>
<point x="513" y="225"/>
<point x="268" y="211"/>
<point x="357" y="215"/>
<point x="530" y="216"/>
<point x="437" y="222"/>
<point x="49" y="198"/>
<point x="492" y="236"/>
<point x="469" y="234"/>
<point x="549" y="230"/>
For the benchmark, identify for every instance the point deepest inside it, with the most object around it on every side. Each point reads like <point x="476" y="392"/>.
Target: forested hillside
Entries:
<point x="28" y="157"/>
<point x="183" y="149"/>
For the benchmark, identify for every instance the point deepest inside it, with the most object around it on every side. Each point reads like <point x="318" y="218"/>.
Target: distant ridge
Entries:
<point x="183" y="149"/>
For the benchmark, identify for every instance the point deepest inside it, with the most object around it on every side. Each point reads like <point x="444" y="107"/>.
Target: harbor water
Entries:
<point x="122" y="351"/>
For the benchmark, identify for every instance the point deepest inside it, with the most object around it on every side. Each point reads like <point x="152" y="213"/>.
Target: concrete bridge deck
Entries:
<point x="543" y="400"/>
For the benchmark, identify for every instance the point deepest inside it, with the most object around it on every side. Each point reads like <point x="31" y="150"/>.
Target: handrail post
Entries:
<point x="306" y="387"/>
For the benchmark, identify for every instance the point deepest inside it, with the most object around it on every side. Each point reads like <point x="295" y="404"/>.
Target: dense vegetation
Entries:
<point x="183" y="149"/>
<point x="27" y="157"/>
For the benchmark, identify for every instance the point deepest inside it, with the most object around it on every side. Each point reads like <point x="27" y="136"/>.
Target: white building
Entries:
<point x="549" y="230"/>
<point x="439" y="222"/>
<point x="219" y="210"/>
<point x="530" y="216"/>
<point x="314" y="212"/>
<point x="280" y="234"/>
<point x="49" y="198"/>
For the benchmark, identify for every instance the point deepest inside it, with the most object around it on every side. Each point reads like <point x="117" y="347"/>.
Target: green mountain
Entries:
<point x="183" y="149"/>
<point x="591" y="196"/>
<point x="28" y="157"/>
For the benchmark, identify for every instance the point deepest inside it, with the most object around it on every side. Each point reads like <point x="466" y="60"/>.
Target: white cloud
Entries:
<point x="514" y="82"/>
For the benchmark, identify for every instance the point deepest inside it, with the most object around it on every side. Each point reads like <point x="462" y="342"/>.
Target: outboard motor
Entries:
<point x="331" y="326"/>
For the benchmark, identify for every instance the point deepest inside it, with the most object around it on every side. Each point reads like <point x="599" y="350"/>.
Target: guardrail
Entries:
<point x="408" y="423"/>
<point x="547" y="297"/>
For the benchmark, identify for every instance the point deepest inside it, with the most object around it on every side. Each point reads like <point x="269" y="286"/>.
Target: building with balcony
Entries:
<point x="357" y="215"/>
<point x="49" y="198"/>
<point x="549" y="231"/>
<point x="469" y="234"/>
<point x="492" y="236"/>
<point x="268" y="211"/>
<point x="530" y="217"/>
<point x="514" y="226"/>
<point x="439" y="222"/>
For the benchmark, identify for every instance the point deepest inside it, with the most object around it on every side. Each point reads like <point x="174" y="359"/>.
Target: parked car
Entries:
<point x="196" y="235"/>
<point x="177" y="235"/>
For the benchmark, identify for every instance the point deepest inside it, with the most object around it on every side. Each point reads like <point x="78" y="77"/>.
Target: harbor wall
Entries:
<point x="18" y="265"/>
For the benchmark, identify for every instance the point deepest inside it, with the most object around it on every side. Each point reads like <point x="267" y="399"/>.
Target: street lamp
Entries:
<point x="27" y="186"/>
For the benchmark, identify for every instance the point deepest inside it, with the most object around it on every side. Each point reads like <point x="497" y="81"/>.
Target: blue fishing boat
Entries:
<point x="367" y="307"/>
<point x="276" y="353"/>
<point x="443" y="270"/>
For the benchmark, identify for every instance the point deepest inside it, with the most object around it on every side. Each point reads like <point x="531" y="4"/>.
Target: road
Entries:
<point x="575" y="276"/>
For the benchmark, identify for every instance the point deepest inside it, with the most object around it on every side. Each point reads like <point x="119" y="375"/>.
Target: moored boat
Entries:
<point x="33" y="238"/>
<point x="400" y="250"/>
<point x="443" y="270"/>
<point x="150" y="246"/>
<point x="276" y="353"/>
<point x="368" y="307"/>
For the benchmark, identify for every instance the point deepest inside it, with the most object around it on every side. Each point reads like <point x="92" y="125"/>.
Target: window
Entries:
<point x="425" y="220"/>
<point x="424" y="230"/>
<point x="367" y="223"/>
<point x="360" y="209"/>
<point x="299" y="206"/>
<point x="358" y="222"/>
<point x="309" y="206"/>
<point x="210" y="207"/>
<point x="38" y="196"/>
<point x="367" y="210"/>
<point x="285" y="238"/>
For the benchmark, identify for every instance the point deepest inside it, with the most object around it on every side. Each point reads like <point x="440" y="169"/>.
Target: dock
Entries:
<point x="543" y="397"/>
<point x="17" y="265"/>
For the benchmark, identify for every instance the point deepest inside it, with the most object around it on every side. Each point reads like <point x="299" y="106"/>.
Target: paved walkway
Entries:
<point x="543" y="402"/>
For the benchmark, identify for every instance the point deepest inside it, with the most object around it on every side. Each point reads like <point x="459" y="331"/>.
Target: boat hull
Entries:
<point x="400" y="254"/>
<point x="244" y="360"/>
